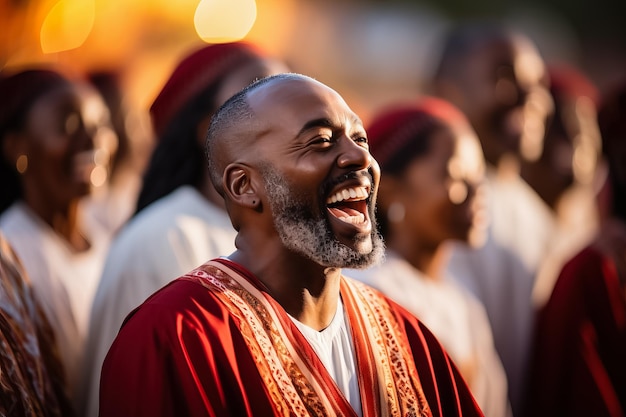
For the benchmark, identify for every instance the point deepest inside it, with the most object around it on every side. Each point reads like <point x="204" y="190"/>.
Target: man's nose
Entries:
<point x="353" y="154"/>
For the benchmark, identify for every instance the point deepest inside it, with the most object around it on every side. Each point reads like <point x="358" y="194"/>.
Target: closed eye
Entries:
<point x="322" y="140"/>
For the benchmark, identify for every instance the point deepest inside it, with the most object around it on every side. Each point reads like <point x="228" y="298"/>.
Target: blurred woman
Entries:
<point x="432" y="167"/>
<point x="56" y="138"/>
<point x="180" y="220"/>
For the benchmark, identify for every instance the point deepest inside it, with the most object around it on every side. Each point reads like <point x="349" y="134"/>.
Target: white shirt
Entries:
<point x="334" y="347"/>
<point x="64" y="280"/>
<point x="167" y="239"/>
<point x="455" y="317"/>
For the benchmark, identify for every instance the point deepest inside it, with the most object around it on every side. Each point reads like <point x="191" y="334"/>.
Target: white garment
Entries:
<point x="501" y="273"/>
<point x="167" y="239"/>
<point x="455" y="317"/>
<point x="64" y="281"/>
<point x="334" y="347"/>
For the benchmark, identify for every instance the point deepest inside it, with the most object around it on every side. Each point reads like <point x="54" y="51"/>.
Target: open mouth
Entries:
<point x="349" y="204"/>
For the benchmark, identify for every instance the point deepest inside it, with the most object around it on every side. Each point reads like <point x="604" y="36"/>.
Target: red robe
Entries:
<point x="579" y="364"/>
<point x="214" y="343"/>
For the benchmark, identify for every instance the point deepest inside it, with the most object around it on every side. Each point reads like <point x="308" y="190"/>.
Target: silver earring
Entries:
<point x="396" y="212"/>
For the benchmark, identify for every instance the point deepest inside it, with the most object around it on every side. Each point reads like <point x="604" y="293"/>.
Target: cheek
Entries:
<point x="49" y="150"/>
<point x="49" y="139"/>
<point x="430" y="210"/>
<point x="307" y="178"/>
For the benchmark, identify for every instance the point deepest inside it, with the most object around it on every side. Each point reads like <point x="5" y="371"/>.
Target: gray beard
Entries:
<point x="301" y="232"/>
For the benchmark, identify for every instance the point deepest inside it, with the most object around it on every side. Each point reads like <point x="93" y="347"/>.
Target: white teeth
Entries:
<point x="345" y="194"/>
<point x="356" y="219"/>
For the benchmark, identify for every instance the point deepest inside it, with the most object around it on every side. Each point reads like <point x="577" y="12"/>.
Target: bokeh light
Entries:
<point x="67" y="25"/>
<point x="224" y="20"/>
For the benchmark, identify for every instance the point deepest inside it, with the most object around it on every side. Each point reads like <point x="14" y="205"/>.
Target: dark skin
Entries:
<point x="308" y="134"/>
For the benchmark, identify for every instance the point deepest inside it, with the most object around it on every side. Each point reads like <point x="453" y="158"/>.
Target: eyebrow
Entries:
<point x="325" y="122"/>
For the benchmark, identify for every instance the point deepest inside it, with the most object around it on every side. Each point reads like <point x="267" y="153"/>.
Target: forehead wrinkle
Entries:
<point x="327" y="122"/>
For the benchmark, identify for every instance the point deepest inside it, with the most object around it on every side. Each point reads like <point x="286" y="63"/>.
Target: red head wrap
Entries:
<point x="196" y="73"/>
<point x="394" y="130"/>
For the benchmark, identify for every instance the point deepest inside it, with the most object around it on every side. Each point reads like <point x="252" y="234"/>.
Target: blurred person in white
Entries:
<point x="431" y="172"/>
<point x="180" y="220"/>
<point x="56" y="134"/>
<point x="497" y="77"/>
<point x="566" y="176"/>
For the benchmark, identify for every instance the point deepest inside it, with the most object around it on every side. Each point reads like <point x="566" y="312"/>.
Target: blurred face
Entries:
<point x="440" y="189"/>
<point x="506" y="100"/>
<point x="68" y="140"/>
<point x="320" y="177"/>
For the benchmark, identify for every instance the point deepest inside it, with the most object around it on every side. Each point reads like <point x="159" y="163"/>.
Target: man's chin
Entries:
<point x="364" y="246"/>
<point x="371" y="252"/>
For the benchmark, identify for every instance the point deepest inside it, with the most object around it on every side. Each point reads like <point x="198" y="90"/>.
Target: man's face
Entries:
<point x="320" y="178"/>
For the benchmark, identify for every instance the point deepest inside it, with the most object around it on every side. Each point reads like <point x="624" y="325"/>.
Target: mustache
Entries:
<point x="353" y="175"/>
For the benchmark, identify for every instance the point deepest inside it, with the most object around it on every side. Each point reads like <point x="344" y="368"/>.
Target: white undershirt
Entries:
<point x="333" y="346"/>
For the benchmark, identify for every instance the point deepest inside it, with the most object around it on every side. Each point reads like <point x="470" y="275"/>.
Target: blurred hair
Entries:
<point x="178" y="157"/>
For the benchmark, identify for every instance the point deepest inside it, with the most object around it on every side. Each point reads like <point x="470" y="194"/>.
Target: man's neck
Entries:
<point x="307" y="291"/>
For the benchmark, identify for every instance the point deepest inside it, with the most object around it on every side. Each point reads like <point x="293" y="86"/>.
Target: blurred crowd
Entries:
<point x="502" y="204"/>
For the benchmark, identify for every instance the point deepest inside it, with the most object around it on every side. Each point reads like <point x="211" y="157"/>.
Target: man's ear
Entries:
<point x="239" y="186"/>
